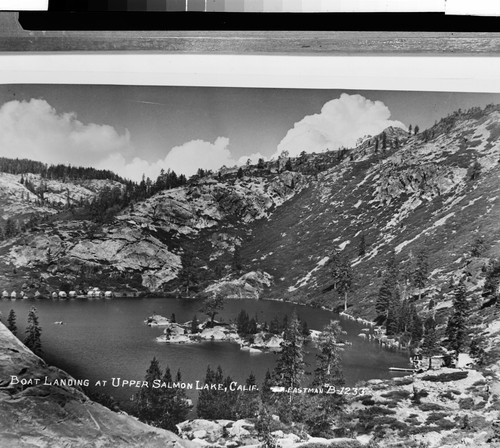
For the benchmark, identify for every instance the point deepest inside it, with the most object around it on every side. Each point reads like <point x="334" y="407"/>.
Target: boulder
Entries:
<point x="62" y="416"/>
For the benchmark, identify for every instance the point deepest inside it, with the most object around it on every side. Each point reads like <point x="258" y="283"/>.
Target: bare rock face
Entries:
<point x="61" y="416"/>
<point x="249" y="286"/>
<point x="126" y="248"/>
<point x="221" y="433"/>
<point x="205" y="204"/>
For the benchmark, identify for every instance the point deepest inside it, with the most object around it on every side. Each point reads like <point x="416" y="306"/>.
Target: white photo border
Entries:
<point x="397" y="73"/>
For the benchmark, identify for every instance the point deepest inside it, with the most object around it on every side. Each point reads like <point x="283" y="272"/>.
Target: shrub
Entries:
<point x="446" y="377"/>
<point x="368" y="402"/>
<point x="447" y="395"/>
<point x="404" y="381"/>
<point x="397" y="394"/>
<point x="466" y="403"/>
<point x="413" y="421"/>
<point x="430" y="407"/>
<point x="444" y="424"/>
<point x="435" y="416"/>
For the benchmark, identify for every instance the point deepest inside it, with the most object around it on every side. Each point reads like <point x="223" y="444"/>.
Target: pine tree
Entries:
<point x="288" y="165"/>
<point x="237" y="264"/>
<point x="266" y="393"/>
<point x="239" y="174"/>
<point x="362" y="246"/>
<point x="48" y="256"/>
<point x="388" y="289"/>
<point x="187" y="276"/>
<point x="33" y="333"/>
<point x="179" y="408"/>
<point x="474" y="171"/>
<point x="11" y="322"/>
<point x="148" y="400"/>
<point x="393" y="314"/>
<point x="478" y="247"/>
<point x="164" y="416"/>
<point x="410" y="129"/>
<point x="242" y="322"/>
<point x="275" y="326"/>
<point x="217" y="404"/>
<point x="248" y="403"/>
<point x="417" y="129"/>
<point x="212" y="305"/>
<point x="416" y="327"/>
<point x="430" y="345"/>
<point x="342" y="276"/>
<point x="328" y="370"/>
<point x="194" y="325"/>
<point x="289" y="369"/>
<point x="404" y="317"/>
<point x="492" y="281"/>
<point x="456" y="330"/>
<point x="421" y="273"/>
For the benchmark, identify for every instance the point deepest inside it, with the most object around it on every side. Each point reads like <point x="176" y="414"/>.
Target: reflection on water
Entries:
<point x="105" y="339"/>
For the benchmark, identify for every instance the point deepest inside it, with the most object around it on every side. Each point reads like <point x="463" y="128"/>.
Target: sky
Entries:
<point x="136" y="130"/>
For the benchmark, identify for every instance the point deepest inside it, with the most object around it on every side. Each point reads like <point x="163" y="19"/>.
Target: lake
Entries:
<point x="105" y="339"/>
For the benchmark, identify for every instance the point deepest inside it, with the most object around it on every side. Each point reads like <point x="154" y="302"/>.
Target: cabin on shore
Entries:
<point x="62" y="294"/>
<point x="13" y="295"/>
<point x="72" y="294"/>
<point x="5" y="295"/>
<point x="108" y="294"/>
<point x="54" y="295"/>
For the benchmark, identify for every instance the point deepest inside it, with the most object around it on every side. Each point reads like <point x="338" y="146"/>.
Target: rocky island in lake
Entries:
<point x="192" y="332"/>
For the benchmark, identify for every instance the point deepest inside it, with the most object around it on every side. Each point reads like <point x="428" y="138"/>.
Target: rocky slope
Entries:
<point x="53" y="416"/>
<point x="146" y="242"/>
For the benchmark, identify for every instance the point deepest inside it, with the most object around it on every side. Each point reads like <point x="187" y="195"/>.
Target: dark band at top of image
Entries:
<point x="192" y="5"/>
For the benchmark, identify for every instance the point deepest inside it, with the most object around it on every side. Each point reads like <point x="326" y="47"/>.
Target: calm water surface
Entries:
<point x="102" y="339"/>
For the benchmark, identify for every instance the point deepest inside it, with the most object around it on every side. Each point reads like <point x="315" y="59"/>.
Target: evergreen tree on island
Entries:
<point x="33" y="333"/>
<point x="194" y="325"/>
<point x="212" y="305"/>
<point x="11" y="322"/>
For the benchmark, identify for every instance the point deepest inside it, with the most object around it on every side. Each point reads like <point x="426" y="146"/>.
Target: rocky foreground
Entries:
<point x="61" y="416"/>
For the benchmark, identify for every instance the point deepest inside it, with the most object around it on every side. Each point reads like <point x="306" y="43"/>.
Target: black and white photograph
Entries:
<point x="231" y="267"/>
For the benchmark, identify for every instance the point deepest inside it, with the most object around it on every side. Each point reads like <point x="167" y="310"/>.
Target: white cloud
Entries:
<point x="33" y="129"/>
<point x="195" y="154"/>
<point x="341" y="122"/>
<point x="184" y="159"/>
